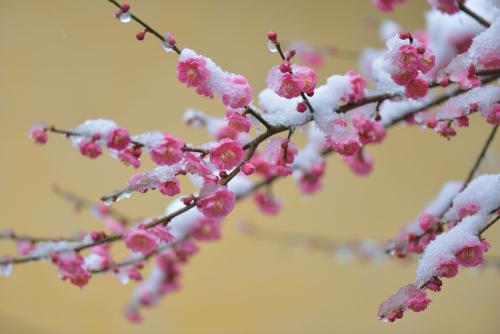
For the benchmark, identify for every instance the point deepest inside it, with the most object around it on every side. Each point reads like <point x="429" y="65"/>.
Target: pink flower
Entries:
<point x="290" y="86"/>
<point x="311" y="57"/>
<point x="118" y="139"/>
<point x="358" y="85"/>
<point x="71" y="266"/>
<point x="427" y="61"/>
<point x="226" y="132"/>
<point x="308" y="77"/>
<point x="471" y="255"/>
<point x="206" y="229"/>
<point x="386" y="5"/>
<point x="467" y="78"/>
<point x="227" y="155"/>
<point x="489" y="59"/>
<point x="446" y="6"/>
<point x="248" y="168"/>
<point x="467" y="210"/>
<point x="133" y="315"/>
<point x="197" y="166"/>
<point x="169" y="152"/>
<point x="434" y="284"/>
<point x="407" y="62"/>
<point x="217" y="204"/>
<point x="236" y="92"/>
<point x="24" y="247"/>
<point x="267" y="203"/>
<point x="90" y="149"/>
<point x="493" y="115"/>
<point x="345" y="147"/>
<point x="130" y="156"/>
<point x="427" y="221"/>
<point x="170" y="188"/>
<point x="417" y="88"/>
<point x="418" y="303"/>
<point x="141" y="241"/>
<point x="193" y="71"/>
<point x="162" y="233"/>
<point x="311" y="181"/>
<point x="447" y="268"/>
<point x="361" y="163"/>
<point x="445" y="130"/>
<point x="368" y="131"/>
<point x="38" y="133"/>
<point x="237" y="121"/>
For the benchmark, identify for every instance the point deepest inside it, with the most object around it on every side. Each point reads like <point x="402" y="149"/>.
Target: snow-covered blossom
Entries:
<point x="407" y="297"/>
<point x="290" y="84"/>
<point x="237" y="121"/>
<point x="71" y="266"/>
<point x="208" y="79"/>
<point x="168" y="152"/>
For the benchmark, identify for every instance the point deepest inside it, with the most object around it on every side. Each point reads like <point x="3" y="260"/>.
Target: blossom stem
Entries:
<point x="147" y="27"/>
<point x="473" y="14"/>
<point x="480" y="157"/>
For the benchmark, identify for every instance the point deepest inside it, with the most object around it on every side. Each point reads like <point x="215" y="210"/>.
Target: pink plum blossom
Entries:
<point x="38" y="133"/>
<point x="227" y="155"/>
<point x="141" y="241"/>
<point x="217" y="204"/>
<point x="168" y="152"/>
<point x="237" y="92"/>
<point x="118" y="139"/>
<point x="193" y="71"/>
<point x="90" y="148"/>
<point x="267" y="203"/>
<point x="237" y="121"/>
<point x="71" y="266"/>
<point x="206" y="229"/>
<point x="170" y="188"/>
<point x="386" y="5"/>
<point x="361" y="163"/>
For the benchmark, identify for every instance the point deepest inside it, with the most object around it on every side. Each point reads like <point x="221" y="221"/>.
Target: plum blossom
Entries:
<point x="227" y="155"/>
<point x="118" y="139"/>
<point x="215" y="201"/>
<point x="170" y="188"/>
<point x="141" y="240"/>
<point x="267" y="203"/>
<point x="38" y="133"/>
<point x="361" y="163"/>
<point x="237" y="121"/>
<point x="168" y="152"/>
<point x="446" y="6"/>
<point x="386" y="5"/>
<point x="71" y="266"/>
<point x="90" y="148"/>
<point x="206" y="229"/>
<point x="237" y="92"/>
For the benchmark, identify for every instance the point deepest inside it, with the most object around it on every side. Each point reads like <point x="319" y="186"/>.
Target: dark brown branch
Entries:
<point x="147" y="27"/>
<point x="473" y="14"/>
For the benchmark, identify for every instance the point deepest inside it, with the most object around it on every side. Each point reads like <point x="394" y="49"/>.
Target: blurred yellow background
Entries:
<point x="66" y="61"/>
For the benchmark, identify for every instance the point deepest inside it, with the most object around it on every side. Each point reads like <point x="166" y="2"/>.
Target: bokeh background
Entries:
<point x="66" y="61"/>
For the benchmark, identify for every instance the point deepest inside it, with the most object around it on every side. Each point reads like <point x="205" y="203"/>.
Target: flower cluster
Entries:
<point x="250" y="147"/>
<point x="208" y="79"/>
